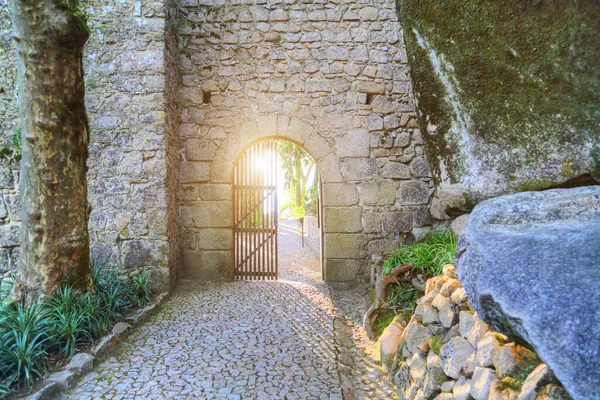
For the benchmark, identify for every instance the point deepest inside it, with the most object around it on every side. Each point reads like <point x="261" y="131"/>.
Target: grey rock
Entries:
<point x="483" y="380"/>
<point x="505" y="360"/>
<point x="413" y="192"/>
<point x="462" y="389"/>
<point x="48" y="392"/>
<point x="80" y="364"/>
<point x="106" y="346"/>
<point x="545" y="242"/>
<point x="455" y="355"/>
<point x="486" y="348"/>
<point x="65" y="379"/>
<point x="536" y="380"/>
<point x="435" y="376"/>
<point x="459" y="224"/>
<point x="418" y="368"/>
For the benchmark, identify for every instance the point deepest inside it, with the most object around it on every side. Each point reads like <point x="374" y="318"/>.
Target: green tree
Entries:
<point x="297" y="167"/>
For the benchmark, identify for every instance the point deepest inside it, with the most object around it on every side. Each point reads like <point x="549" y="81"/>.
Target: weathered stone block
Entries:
<point x="10" y="235"/>
<point x="339" y="194"/>
<point x="342" y="245"/>
<point x="208" y="265"/>
<point x="194" y="172"/>
<point x="372" y="222"/>
<point x="396" y="222"/>
<point x="341" y="270"/>
<point x="199" y="150"/>
<point x="413" y="192"/>
<point x="209" y="192"/>
<point x="342" y="220"/>
<point x="395" y="170"/>
<point x="358" y="169"/>
<point x="215" y="239"/>
<point x="208" y="214"/>
<point x="355" y="143"/>
<point x="378" y="193"/>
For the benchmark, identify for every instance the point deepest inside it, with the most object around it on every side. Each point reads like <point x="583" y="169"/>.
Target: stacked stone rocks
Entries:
<point x="448" y="353"/>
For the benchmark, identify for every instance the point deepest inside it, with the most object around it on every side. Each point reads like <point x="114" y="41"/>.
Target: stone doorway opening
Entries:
<point x="277" y="213"/>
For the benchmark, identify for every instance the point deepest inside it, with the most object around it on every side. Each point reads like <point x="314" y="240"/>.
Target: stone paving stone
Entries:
<point x="246" y="340"/>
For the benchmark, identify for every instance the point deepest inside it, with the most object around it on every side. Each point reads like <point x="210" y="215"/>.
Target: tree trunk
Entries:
<point x="49" y="36"/>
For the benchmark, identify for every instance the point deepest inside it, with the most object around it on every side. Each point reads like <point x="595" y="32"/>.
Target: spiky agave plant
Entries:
<point x="140" y="289"/>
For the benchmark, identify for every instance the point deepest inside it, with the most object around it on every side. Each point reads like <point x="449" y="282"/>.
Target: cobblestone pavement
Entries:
<point x="257" y="340"/>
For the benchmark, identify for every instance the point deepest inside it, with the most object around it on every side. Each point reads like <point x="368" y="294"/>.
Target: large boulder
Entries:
<point x="530" y="263"/>
<point x="505" y="106"/>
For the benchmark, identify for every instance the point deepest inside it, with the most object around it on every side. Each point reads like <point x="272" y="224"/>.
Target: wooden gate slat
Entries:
<point x="254" y="195"/>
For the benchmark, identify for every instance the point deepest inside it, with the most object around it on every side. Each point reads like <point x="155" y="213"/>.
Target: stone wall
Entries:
<point x="312" y="232"/>
<point x="330" y="76"/>
<point x="447" y="352"/>
<point x="133" y="160"/>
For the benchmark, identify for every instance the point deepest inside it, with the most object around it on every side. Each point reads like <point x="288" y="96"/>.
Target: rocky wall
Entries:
<point x="129" y="164"/>
<point x="447" y="352"/>
<point x="508" y="94"/>
<point x="330" y="76"/>
<point x="312" y="232"/>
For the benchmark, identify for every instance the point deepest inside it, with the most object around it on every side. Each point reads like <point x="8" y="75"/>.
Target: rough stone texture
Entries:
<point x="132" y="158"/>
<point x="466" y="358"/>
<point x="545" y="242"/>
<point x="329" y="76"/>
<point x="507" y="107"/>
<point x="483" y="380"/>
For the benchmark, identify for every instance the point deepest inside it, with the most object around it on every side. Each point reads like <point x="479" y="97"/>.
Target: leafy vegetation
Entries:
<point x="384" y="318"/>
<point x="428" y="256"/>
<point x="53" y="329"/>
<point x="15" y="140"/>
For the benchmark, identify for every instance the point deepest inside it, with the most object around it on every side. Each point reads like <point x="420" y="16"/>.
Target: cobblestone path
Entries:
<point x="253" y="340"/>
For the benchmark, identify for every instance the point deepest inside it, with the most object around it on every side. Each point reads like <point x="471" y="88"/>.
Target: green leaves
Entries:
<point x="429" y="256"/>
<point x="62" y="323"/>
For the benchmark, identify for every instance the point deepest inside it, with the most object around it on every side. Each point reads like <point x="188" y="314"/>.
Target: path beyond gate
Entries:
<point x="255" y="213"/>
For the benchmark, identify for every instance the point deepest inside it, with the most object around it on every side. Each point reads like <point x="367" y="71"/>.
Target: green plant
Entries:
<point x="140" y="289"/>
<point x="383" y="319"/>
<point x="15" y="140"/>
<point x="429" y="256"/>
<point x="404" y="298"/>
<point x="23" y="335"/>
<point x="56" y="327"/>
<point x="298" y="212"/>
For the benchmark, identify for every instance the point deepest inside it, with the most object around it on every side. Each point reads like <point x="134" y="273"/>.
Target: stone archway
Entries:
<point x="339" y="88"/>
<point x="213" y="218"/>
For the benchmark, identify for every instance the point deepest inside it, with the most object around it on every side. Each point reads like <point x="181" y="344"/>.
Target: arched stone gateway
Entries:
<point x="176" y="89"/>
<point x="332" y="78"/>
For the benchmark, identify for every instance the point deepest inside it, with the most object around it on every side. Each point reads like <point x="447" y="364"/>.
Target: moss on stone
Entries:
<point x="525" y="74"/>
<point x="436" y="343"/>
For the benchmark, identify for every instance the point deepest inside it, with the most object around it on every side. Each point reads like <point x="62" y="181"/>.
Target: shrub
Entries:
<point x="140" y="289"/>
<point x="61" y="323"/>
<point x="429" y="256"/>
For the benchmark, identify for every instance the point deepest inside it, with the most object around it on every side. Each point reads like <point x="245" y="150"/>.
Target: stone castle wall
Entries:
<point x="129" y="165"/>
<point x="175" y="90"/>
<point x="330" y="76"/>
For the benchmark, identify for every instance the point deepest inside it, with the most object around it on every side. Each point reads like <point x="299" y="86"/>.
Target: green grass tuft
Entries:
<point x="428" y="256"/>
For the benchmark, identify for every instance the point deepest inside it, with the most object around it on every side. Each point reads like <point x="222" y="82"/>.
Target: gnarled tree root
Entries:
<point x="381" y="283"/>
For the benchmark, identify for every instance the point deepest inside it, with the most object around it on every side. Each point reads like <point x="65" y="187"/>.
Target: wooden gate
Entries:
<point x="255" y="213"/>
